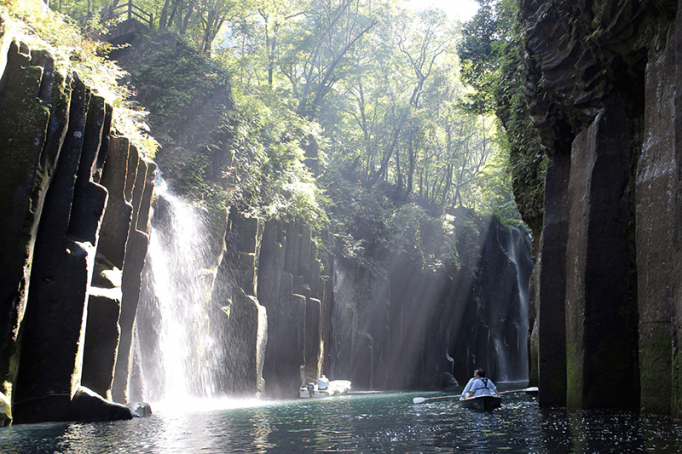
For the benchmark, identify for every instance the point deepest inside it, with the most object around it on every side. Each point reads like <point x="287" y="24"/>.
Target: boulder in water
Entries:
<point x="447" y="380"/>
<point x="91" y="407"/>
<point x="141" y="409"/>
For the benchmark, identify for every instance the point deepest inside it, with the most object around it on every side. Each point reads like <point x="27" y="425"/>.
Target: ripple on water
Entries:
<point x="374" y="423"/>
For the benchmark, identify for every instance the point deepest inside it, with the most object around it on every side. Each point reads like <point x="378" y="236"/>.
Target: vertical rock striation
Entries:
<point x="418" y="327"/>
<point x="292" y="286"/>
<point x="601" y="79"/>
<point x="58" y="273"/>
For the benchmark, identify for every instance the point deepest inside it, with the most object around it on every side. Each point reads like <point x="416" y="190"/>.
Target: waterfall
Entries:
<point x="178" y="352"/>
<point x="520" y="243"/>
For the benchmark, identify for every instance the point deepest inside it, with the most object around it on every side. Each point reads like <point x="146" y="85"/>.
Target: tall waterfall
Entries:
<point x="518" y="252"/>
<point x="175" y="348"/>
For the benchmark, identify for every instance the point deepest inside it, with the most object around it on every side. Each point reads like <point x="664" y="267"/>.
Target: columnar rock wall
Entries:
<point x="417" y="328"/>
<point x="61" y="187"/>
<point x="293" y="286"/>
<point x="602" y="81"/>
<point x="243" y="332"/>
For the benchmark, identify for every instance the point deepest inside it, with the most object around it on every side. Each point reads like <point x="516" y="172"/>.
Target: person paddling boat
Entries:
<point x="480" y="393"/>
<point x="479" y="385"/>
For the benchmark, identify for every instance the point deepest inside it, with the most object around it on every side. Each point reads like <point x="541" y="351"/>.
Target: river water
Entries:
<point x="382" y="423"/>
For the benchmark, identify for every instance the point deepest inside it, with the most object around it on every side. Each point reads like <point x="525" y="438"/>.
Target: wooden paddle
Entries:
<point x="421" y="400"/>
<point x="531" y="389"/>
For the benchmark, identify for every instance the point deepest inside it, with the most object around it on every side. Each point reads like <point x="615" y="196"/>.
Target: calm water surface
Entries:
<point x="386" y="423"/>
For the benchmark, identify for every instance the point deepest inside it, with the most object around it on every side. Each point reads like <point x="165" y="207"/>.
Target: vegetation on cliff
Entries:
<point x="51" y="31"/>
<point x="492" y="62"/>
<point x="349" y="116"/>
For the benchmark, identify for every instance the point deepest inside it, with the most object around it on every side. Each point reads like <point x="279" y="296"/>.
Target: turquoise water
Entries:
<point x="385" y="423"/>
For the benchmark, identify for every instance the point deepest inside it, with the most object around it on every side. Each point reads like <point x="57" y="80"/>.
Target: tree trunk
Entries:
<point x="413" y="160"/>
<point x="163" y="20"/>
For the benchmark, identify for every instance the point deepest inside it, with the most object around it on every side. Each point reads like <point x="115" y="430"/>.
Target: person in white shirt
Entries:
<point x="479" y="385"/>
<point x="467" y="388"/>
<point x="322" y="383"/>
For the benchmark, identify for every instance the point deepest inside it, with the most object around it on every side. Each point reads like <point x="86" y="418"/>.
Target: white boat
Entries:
<point x="335" y="388"/>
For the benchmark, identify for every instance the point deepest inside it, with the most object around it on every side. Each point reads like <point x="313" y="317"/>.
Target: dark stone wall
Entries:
<point x="601" y="320"/>
<point x="416" y="328"/>
<point x="293" y="287"/>
<point x="601" y="79"/>
<point x="244" y="332"/>
<point x="55" y="144"/>
<point x="552" y="284"/>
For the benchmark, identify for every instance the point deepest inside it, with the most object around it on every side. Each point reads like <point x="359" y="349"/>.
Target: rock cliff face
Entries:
<point x="76" y="204"/>
<point x="295" y="288"/>
<point x="602" y="81"/>
<point x="416" y="328"/>
<point x="73" y="217"/>
<point x="411" y="328"/>
<point x="263" y="303"/>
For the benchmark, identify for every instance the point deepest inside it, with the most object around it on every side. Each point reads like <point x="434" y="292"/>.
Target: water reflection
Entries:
<point x="383" y="423"/>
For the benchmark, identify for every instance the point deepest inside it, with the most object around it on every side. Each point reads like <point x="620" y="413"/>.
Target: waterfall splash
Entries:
<point x="176" y="350"/>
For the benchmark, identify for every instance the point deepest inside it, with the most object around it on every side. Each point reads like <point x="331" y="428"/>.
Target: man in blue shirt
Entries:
<point x="479" y="385"/>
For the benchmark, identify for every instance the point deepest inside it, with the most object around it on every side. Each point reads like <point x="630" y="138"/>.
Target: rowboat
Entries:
<point x="335" y="388"/>
<point x="481" y="403"/>
<point x="530" y="391"/>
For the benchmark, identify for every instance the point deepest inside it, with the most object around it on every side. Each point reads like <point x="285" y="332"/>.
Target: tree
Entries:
<point x="274" y="15"/>
<point x="479" y="53"/>
<point x="491" y="60"/>
<point x="313" y="60"/>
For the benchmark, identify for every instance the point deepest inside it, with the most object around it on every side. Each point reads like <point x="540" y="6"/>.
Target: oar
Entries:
<point x="421" y="400"/>
<point x="531" y="389"/>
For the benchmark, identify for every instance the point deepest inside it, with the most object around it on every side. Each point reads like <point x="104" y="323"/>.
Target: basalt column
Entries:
<point x="285" y="352"/>
<point x="27" y="164"/>
<point x="601" y="304"/>
<point x="585" y="85"/>
<point x="658" y="211"/>
<point x="245" y="330"/>
<point x="53" y="328"/>
<point x="102" y="327"/>
<point x="677" y="230"/>
<point x="133" y="262"/>
<point x="270" y="275"/>
<point x="294" y="286"/>
<point x="552" y="284"/>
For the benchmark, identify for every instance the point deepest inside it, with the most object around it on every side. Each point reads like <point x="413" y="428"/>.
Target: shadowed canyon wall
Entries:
<point x="602" y="81"/>
<point x="74" y="225"/>
<point x="417" y="328"/>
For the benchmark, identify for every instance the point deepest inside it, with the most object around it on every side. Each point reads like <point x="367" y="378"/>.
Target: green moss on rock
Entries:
<point x="655" y="371"/>
<point x="574" y="380"/>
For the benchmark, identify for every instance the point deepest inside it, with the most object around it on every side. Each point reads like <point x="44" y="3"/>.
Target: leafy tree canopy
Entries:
<point x="356" y="116"/>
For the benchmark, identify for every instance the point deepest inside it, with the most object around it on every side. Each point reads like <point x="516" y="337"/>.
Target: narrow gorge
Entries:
<point x="115" y="290"/>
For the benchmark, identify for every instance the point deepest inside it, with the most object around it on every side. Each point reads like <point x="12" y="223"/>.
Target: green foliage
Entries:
<point x="175" y="83"/>
<point x="73" y="52"/>
<point x="491" y="56"/>
<point x="349" y="115"/>
<point x="480" y="51"/>
<point x="419" y="235"/>
<point x="224" y="145"/>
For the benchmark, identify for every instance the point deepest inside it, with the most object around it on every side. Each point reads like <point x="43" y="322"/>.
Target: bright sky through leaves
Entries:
<point x="455" y="9"/>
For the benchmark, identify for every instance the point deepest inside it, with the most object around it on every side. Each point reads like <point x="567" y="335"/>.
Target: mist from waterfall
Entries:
<point x="178" y="354"/>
